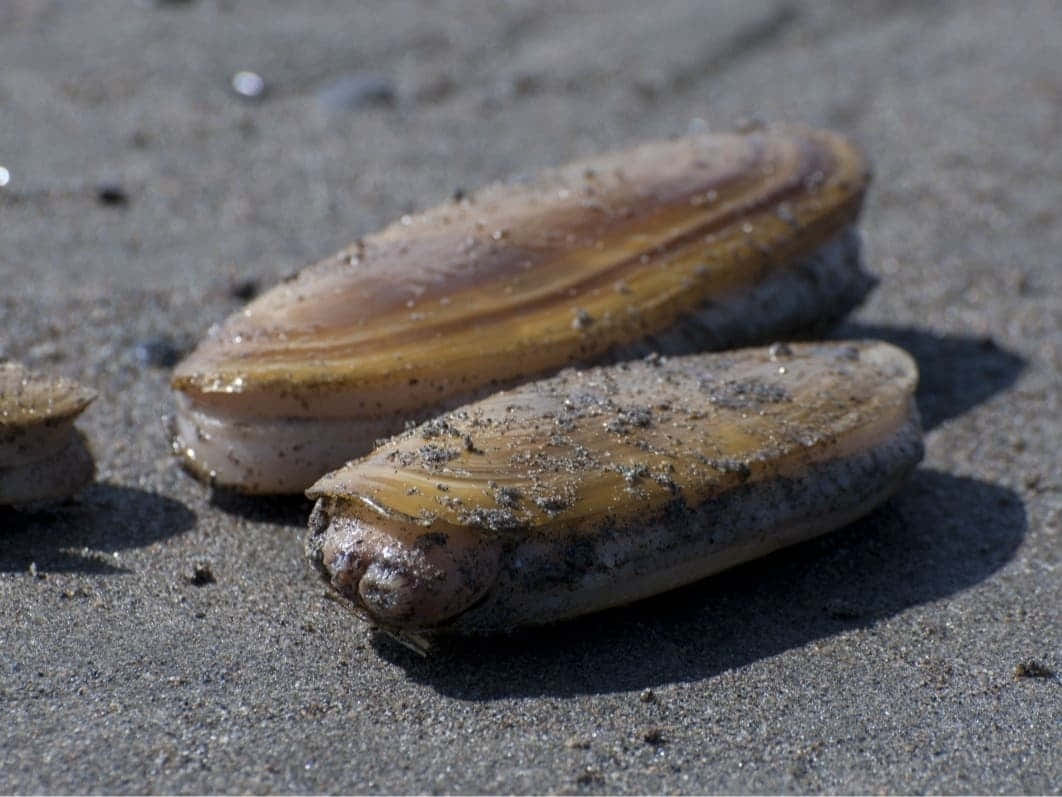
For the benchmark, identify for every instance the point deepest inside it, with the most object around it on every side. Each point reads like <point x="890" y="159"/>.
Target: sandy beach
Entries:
<point x="158" y="637"/>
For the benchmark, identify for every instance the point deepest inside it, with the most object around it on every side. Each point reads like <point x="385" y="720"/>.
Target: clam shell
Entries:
<point x="707" y="242"/>
<point x="59" y="475"/>
<point x="41" y="454"/>
<point x="595" y="488"/>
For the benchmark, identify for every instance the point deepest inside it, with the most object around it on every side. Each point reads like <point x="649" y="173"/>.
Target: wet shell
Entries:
<point x="599" y="487"/>
<point x="675" y="246"/>
<point x="42" y="455"/>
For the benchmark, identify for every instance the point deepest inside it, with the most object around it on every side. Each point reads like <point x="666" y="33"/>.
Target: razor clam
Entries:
<point x="599" y="487"/>
<point x="42" y="455"/>
<point x="675" y="246"/>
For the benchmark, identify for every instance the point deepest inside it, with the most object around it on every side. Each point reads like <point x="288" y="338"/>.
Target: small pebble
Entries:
<point x="244" y="289"/>
<point x="1033" y="669"/>
<point x="647" y="696"/>
<point x="249" y="85"/>
<point x="357" y="91"/>
<point x="779" y="351"/>
<point x="582" y="319"/>
<point x="202" y="575"/>
<point x="5" y="177"/>
<point x="111" y="194"/>
<point x="590" y="776"/>
<point x="160" y="352"/>
<point x="654" y="736"/>
<point x="140" y="139"/>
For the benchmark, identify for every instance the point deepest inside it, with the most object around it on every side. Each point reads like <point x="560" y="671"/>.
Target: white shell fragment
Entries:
<point x="42" y="455"/>
<point x="599" y="487"/>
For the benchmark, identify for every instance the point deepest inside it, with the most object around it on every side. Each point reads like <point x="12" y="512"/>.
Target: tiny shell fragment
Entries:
<point x="709" y="242"/>
<point x="599" y="487"/>
<point x="42" y="456"/>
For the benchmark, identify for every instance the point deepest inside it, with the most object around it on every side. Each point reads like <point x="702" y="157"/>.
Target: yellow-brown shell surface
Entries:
<point x="521" y="280"/>
<point x="624" y="461"/>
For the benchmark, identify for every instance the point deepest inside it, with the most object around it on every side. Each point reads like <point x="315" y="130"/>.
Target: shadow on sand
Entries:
<point x="956" y="373"/>
<point x="941" y="534"/>
<point x="66" y="537"/>
<point x="282" y="510"/>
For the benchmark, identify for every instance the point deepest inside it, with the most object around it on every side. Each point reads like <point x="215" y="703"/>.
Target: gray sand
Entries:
<point x="881" y="658"/>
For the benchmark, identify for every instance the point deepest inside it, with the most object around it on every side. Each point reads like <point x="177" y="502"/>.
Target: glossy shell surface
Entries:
<point x="707" y="242"/>
<point x="598" y="487"/>
<point x="42" y="456"/>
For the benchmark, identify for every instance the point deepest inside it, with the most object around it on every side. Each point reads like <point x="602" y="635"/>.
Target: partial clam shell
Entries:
<point x="595" y="488"/>
<point x="42" y="456"/>
<point x="708" y="242"/>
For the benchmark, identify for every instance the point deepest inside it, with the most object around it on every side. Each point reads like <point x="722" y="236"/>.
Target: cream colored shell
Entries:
<point x="42" y="456"/>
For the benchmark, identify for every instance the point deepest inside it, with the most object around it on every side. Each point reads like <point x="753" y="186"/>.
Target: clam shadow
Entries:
<point x="69" y="536"/>
<point x="940" y="534"/>
<point x="283" y="510"/>
<point x="956" y="372"/>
